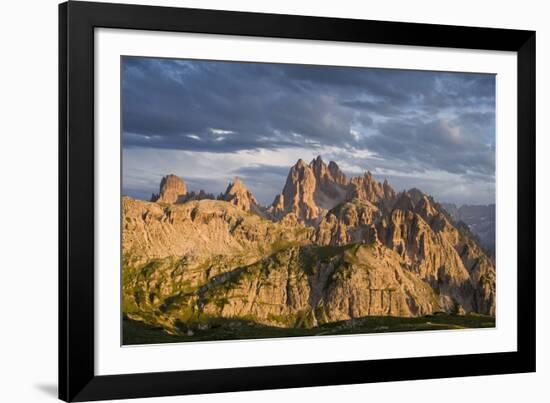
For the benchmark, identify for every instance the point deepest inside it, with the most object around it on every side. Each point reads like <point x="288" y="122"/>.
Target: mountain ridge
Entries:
<point x="329" y="248"/>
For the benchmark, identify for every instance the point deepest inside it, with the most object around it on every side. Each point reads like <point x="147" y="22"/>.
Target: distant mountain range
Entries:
<point x="329" y="248"/>
<point x="481" y="219"/>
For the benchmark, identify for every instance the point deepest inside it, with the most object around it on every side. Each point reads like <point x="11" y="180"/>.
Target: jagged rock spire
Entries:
<point x="239" y="195"/>
<point x="298" y="192"/>
<point x="171" y="188"/>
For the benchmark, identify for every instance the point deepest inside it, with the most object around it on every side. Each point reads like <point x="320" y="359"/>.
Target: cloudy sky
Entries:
<point x="208" y="121"/>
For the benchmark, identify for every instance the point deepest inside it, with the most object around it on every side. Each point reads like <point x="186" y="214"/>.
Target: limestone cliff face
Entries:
<point x="430" y="256"/>
<point x="171" y="189"/>
<point x="372" y="281"/>
<point x="427" y="244"/>
<point x="295" y="287"/>
<point x="349" y="222"/>
<point x="337" y="284"/>
<point x="199" y="228"/>
<point x="441" y="255"/>
<point x="482" y="273"/>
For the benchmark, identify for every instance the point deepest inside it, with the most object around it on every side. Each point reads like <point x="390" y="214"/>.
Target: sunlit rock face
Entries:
<point x="328" y="249"/>
<point x="171" y="189"/>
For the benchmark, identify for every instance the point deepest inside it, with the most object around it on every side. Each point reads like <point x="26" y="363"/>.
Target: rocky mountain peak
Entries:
<point x="277" y="208"/>
<point x="236" y="186"/>
<point x="337" y="175"/>
<point x="239" y="195"/>
<point x="310" y="189"/>
<point x="298" y="192"/>
<point x="416" y="195"/>
<point x="171" y="189"/>
<point x="330" y="183"/>
<point x="425" y="208"/>
<point x="365" y="188"/>
<point x="389" y="192"/>
<point x="319" y="167"/>
<point x="404" y="202"/>
<point x="317" y="161"/>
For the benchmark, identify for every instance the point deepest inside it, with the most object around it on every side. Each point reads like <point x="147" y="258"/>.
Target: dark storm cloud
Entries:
<point x="225" y="107"/>
<point x="457" y="145"/>
<point x="412" y="121"/>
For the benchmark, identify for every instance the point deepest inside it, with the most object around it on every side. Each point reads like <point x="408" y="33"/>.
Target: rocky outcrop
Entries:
<point x="238" y="194"/>
<point x="330" y="184"/>
<point x="311" y="189"/>
<point x="172" y="188"/>
<point x="277" y="209"/>
<point x="315" y="188"/>
<point x="337" y="174"/>
<point x="365" y="188"/>
<point x="404" y="202"/>
<point x="200" y="195"/>
<point x="298" y="193"/>
<point x="350" y="222"/>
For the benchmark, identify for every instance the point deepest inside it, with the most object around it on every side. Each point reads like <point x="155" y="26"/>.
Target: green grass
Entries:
<point x="282" y="244"/>
<point x="229" y="329"/>
<point x="311" y="256"/>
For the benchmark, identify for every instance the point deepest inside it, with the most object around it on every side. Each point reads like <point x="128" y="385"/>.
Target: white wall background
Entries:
<point x="28" y="201"/>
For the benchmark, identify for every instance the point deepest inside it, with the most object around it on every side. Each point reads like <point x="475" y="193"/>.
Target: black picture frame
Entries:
<point x="77" y="379"/>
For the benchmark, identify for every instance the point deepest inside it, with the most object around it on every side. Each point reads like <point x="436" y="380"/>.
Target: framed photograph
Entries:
<point x="256" y="201"/>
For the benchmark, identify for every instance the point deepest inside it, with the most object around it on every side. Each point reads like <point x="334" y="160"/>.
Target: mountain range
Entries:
<point x="328" y="249"/>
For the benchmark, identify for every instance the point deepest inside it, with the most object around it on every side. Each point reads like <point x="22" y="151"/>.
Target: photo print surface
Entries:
<point x="275" y="200"/>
